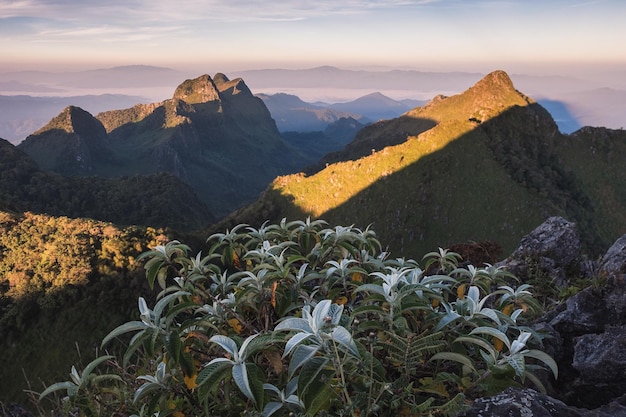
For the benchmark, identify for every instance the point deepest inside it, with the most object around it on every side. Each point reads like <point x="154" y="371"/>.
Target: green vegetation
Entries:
<point x="298" y="318"/>
<point x="59" y="277"/>
<point x="158" y="200"/>
<point x="594" y="157"/>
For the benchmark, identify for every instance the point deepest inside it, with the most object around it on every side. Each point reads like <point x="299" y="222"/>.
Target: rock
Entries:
<point x="524" y="402"/>
<point x="590" y="347"/>
<point x="549" y="252"/>
<point x="600" y="360"/>
<point x="198" y="90"/>
<point x="601" y="357"/>
<point x="614" y="261"/>
<point x="586" y="335"/>
<point x="517" y="402"/>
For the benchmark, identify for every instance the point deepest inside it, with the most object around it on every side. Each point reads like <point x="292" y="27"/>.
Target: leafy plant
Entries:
<point x="302" y="318"/>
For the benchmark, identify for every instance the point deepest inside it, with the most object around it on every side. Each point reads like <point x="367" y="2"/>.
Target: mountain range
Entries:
<point x="21" y="115"/>
<point x="597" y="100"/>
<point x="213" y="134"/>
<point x="489" y="154"/>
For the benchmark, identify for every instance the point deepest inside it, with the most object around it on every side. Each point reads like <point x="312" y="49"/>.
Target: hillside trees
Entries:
<point x="299" y="318"/>
<point x="58" y="278"/>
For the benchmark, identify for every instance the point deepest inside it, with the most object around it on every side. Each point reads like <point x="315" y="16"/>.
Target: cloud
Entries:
<point x="137" y="20"/>
<point x="246" y="10"/>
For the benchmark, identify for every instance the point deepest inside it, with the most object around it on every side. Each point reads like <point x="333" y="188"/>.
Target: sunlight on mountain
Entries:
<point x="339" y="182"/>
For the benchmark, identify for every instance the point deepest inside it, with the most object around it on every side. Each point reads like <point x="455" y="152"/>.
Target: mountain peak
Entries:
<point x="486" y="99"/>
<point x="497" y="86"/>
<point x="198" y="90"/>
<point x="497" y="78"/>
<point x="72" y="119"/>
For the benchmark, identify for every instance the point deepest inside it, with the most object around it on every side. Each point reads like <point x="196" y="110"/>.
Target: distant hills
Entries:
<point x="128" y="76"/>
<point x="292" y="114"/>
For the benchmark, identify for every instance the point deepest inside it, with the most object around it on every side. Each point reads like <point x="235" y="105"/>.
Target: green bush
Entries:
<point x="298" y="318"/>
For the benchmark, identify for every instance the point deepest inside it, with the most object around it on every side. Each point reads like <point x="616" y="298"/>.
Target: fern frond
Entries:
<point x="412" y="351"/>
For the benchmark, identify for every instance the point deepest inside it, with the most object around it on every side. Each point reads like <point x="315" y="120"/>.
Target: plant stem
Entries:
<point x="339" y="367"/>
<point x="371" y="380"/>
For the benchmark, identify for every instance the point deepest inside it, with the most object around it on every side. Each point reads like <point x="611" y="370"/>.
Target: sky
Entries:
<point x="227" y="35"/>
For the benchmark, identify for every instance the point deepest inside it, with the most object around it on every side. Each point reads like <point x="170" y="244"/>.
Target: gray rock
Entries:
<point x="614" y="261"/>
<point x="547" y="253"/>
<point x="601" y="357"/>
<point x="517" y="402"/>
<point x="525" y="402"/>
<point x="586" y="335"/>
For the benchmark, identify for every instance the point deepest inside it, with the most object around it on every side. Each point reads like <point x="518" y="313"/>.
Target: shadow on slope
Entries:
<point x="375" y="137"/>
<point x="493" y="181"/>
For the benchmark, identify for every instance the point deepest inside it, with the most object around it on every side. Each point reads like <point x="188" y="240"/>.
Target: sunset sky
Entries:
<point x="529" y="35"/>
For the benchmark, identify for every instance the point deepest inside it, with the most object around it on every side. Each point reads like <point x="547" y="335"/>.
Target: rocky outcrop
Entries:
<point x="518" y="402"/>
<point x="586" y="335"/>
<point x="614" y="261"/>
<point x="550" y="252"/>
<point x="198" y="90"/>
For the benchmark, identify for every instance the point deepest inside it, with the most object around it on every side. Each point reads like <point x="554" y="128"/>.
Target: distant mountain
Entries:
<point x="316" y="144"/>
<point x="22" y="115"/>
<point x="293" y="114"/>
<point x="332" y="77"/>
<point x="115" y="77"/>
<point x="213" y="134"/>
<point x="486" y="164"/>
<point x="376" y="106"/>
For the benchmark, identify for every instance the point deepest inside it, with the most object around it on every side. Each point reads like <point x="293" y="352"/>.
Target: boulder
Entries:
<point x="586" y="335"/>
<point x="613" y="263"/>
<point x="549" y="252"/>
<point x="525" y="402"/>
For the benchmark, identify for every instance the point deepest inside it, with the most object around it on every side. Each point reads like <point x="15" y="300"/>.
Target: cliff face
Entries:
<point x="213" y="134"/>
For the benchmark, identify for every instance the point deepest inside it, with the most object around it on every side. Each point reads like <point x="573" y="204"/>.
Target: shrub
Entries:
<point x="299" y="318"/>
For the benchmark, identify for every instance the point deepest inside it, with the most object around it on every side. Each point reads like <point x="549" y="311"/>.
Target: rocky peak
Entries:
<point x="198" y="90"/>
<point x="486" y="99"/>
<point x="74" y="120"/>
<point x="498" y="79"/>
<point x="220" y="78"/>
<point x="234" y="87"/>
<point x="496" y="89"/>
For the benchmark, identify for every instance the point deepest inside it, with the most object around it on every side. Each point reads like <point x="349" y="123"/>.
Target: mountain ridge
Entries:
<point x="483" y="164"/>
